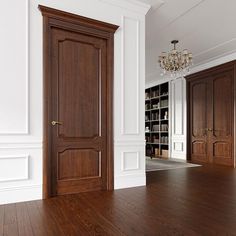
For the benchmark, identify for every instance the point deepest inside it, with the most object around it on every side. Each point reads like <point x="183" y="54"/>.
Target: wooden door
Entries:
<point x="199" y="120"/>
<point x="78" y="73"/>
<point x="211" y="116"/>
<point x="221" y="118"/>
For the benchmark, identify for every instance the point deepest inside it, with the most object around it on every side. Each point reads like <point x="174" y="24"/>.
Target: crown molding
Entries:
<point x="131" y="5"/>
<point x="221" y="59"/>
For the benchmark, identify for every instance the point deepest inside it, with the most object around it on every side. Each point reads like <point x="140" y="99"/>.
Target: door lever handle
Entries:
<point x="56" y="123"/>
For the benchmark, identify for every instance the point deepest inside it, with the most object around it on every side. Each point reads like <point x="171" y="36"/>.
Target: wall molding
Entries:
<point x="131" y="5"/>
<point x="121" y="143"/>
<point x="19" y="188"/>
<point x="24" y="174"/>
<point x="127" y="181"/>
<point x="178" y="119"/>
<point x="215" y="62"/>
<point x="123" y="79"/>
<point x="123" y="161"/>
<point x="20" y="194"/>
<point x="21" y="145"/>
<point x="174" y="107"/>
<point x="158" y="81"/>
<point x="27" y="45"/>
<point x="215" y="47"/>
<point x="178" y="146"/>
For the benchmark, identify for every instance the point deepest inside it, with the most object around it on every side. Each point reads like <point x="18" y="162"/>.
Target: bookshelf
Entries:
<point x="157" y="121"/>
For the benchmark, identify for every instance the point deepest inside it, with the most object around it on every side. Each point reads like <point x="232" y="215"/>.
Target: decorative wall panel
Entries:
<point x="14" y="168"/>
<point x="130" y="77"/>
<point x="14" y="68"/>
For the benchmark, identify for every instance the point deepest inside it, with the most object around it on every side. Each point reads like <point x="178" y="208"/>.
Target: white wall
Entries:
<point x="21" y="92"/>
<point x="178" y="119"/>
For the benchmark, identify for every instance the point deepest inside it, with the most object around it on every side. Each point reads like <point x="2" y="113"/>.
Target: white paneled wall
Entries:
<point x="21" y="92"/>
<point x="130" y="76"/>
<point x="20" y="148"/>
<point x="129" y="157"/>
<point x="178" y="111"/>
<point x="129" y="130"/>
<point x="14" y="68"/>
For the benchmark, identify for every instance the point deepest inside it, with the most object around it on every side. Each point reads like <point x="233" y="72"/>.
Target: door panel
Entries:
<point x="199" y="148"/>
<point x="79" y="164"/>
<point x="198" y="116"/>
<point x="222" y="150"/>
<point x="222" y="118"/>
<point x="80" y="83"/>
<point x="79" y="103"/>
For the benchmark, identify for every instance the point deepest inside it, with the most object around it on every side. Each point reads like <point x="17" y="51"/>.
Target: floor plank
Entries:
<point x="10" y="227"/>
<point x="36" y="220"/>
<point x="189" y="201"/>
<point x="24" y="226"/>
<point x="1" y="219"/>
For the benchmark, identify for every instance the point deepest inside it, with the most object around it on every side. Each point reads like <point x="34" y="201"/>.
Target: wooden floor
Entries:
<point x="191" y="201"/>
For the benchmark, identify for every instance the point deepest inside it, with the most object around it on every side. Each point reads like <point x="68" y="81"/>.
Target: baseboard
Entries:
<point x="180" y="156"/>
<point x="129" y="181"/>
<point x="20" y="194"/>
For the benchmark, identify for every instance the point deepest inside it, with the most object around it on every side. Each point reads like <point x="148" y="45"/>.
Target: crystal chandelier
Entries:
<point x="176" y="63"/>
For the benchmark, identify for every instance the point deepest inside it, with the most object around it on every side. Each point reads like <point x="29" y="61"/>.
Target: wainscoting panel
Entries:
<point x="130" y="76"/>
<point x="14" y="168"/>
<point x="178" y="146"/>
<point x="130" y="165"/>
<point x="130" y="161"/>
<point x="14" y="68"/>
<point x="20" y="174"/>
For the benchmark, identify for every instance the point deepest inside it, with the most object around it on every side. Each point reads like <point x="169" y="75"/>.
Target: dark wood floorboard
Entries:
<point x="24" y="225"/>
<point x="1" y="220"/>
<point x="10" y="226"/>
<point x="188" y="201"/>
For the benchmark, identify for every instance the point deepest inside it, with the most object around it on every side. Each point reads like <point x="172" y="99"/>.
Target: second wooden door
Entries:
<point x="211" y="118"/>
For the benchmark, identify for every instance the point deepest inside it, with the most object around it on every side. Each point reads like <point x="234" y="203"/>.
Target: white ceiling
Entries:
<point x="205" y="27"/>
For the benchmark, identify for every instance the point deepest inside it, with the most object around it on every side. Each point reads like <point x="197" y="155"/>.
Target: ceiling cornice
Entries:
<point x="131" y="5"/>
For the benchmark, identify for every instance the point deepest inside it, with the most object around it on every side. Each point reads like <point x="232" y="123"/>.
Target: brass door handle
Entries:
<point x="210" y="130"/>
<point x="56" y="123"/>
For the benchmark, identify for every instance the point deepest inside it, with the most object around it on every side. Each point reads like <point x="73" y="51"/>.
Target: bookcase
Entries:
<point x="157" y="121"/>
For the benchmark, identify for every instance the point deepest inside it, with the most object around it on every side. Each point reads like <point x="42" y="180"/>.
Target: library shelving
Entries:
<point x="157" y="121"/>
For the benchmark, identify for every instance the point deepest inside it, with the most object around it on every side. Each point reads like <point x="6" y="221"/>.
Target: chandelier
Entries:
<point x="174" y="62"/>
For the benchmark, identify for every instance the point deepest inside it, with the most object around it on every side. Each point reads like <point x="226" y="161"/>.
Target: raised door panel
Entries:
<point x="78" y="164"/>
<point x="80" y="112"/>
<point x="198" y="116"/>
<point x="222" y="119"/>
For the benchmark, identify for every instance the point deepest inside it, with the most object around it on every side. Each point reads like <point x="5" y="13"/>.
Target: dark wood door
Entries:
<point x="78" y="67"/>
<point x="211" y="117"/>
<point x="199" y="119"/>
<point x="221" y="118"/>
<point x="79" y="105"/>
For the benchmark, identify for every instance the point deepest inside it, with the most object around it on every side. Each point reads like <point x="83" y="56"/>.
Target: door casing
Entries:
<point x="56" y="18"/>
